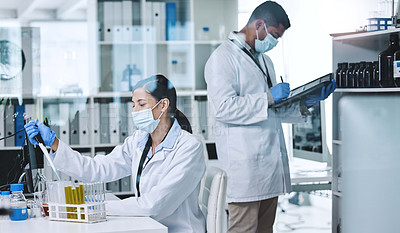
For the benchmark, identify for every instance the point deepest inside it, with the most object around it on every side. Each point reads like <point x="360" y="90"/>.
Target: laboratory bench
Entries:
<point x="113" y="224"/>
<point x="306" y="175"/>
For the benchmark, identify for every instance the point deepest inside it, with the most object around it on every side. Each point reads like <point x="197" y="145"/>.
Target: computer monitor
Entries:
<point x="309" y="138"/>
<point x="15" y="163"/>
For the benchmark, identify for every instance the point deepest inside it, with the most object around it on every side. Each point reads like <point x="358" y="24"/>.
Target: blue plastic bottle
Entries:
<point x="18" y="203"/>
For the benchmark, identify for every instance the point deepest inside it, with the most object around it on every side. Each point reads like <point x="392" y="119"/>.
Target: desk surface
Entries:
<point x="113" y="224"/>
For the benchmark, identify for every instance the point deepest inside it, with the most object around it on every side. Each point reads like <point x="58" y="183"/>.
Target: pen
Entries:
<point x="281" y="78"/>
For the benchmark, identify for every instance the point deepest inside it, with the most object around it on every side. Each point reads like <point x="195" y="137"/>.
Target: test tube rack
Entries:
<point x="84" y="213"/>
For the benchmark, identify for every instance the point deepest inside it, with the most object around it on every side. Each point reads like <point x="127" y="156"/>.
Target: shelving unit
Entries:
<point x="181" y="60"/>
<point x="362" y="166"/>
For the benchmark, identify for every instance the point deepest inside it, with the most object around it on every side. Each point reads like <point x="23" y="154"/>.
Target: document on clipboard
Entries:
<point x="307" y="90"/>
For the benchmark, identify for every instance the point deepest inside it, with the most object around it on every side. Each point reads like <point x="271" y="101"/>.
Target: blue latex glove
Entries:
<point x="280" y="91"/>
<point x="34" y="127"/>
<point x="325" y="92"/>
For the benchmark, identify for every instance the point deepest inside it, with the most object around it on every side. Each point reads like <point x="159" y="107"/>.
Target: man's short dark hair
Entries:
<point x="272" y="13"/>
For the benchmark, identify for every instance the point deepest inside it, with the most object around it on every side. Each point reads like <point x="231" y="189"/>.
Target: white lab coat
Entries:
<point x="249" y="137"/>
<point x="169" y="184"/>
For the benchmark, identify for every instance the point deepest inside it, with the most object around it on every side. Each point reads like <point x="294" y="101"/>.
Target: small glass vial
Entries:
<point x="18" y="203"/>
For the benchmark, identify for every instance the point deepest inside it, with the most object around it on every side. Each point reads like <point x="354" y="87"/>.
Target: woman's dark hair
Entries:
<point x="160" y="87"/>
<point x="272" y="13"/>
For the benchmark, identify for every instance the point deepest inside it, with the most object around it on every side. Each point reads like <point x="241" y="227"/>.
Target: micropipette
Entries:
<point x="40" y="141"/>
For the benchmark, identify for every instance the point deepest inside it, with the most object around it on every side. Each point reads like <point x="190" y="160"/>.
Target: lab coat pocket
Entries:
<point x="252" y="135"/>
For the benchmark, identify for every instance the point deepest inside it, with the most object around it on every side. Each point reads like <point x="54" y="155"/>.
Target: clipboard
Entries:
<point x="307" y="90"/>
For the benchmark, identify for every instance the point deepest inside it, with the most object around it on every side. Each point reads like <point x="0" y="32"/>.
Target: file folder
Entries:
<point x="117" y="21"/>
<point x="64" y="122"/>
<point x="131" y="125"/>
<point x="157" y="21"/>
<point x="123" y="127"/>
<point x="19" y="124"/>
<point x="202" y="115"/>
<point x="96" y="123"/>
<point x="136" y="13"/>
<point x="163" y="19"/>
<point x="114" y="122"/>
<point x="108" y="20"/>
<point x="171" y="21"/>
<point x="114" y="186"/>
<point x="29" y="112"/>
<point x="51" y="113"/>
<point x="137" y="33"/>
<point x="127" y="20"/>
<point x="126" y="184"/>
<point x="211" y="122"/>
<point x="149" y="32"/>
<point x="101" y="29"/>
<point x="104" y="124"/>
<point x="84" y="133"/>
<point x="74" y="128"/>
<point x="9" y="125"/>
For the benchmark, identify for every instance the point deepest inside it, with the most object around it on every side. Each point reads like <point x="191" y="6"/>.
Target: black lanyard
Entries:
<point x="255" y="61"/>
<point x="141" y="163"/>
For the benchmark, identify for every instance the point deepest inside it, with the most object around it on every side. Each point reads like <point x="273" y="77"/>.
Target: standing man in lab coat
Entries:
<point x="241" y="87"/>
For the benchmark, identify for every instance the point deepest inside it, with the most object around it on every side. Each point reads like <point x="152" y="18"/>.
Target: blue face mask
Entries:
<point x="144" y="119"/>
<point x="267" y="44"/>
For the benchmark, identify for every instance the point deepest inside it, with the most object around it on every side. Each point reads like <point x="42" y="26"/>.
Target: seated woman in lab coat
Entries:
<point x="168" y="176"/>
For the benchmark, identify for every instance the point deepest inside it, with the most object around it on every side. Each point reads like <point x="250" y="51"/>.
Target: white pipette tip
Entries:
<point x="43" y="148"/>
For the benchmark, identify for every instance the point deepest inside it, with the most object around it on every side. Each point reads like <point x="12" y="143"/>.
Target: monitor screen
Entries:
<point x="14" y="163"/>
<point x="309" y="140"/>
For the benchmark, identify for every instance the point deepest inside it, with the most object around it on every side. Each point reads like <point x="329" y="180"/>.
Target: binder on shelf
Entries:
<point x="114" y="122"/>
<point x="84" y="126"/>
<point x="51" y="112"/>
<point x="149" y="33"/>
<point x="114" y="186"/>
<point x="163" y="19"/>
<point x="123" y="127"/>
<point x="9" y="125"/>
<point x="131" y="125"/>
<point x="202" y="115"/>
<point x="2" y="124"/>
<point x="29" y="111"/>
<point x="74" y="129"/>
<point x="211" y="122"/>
<point x="159" y="20"/>
<point x="184" y="104"/>
<point x="104" y="124"/>
<point x="137" y="33"/>
<point x="136" y="13"/>
<point x="19" y="124"/>
<point x="126" y="184"/>
<point x="117" y="21"/>
<point x="64" y="122"/>
<point x="96" y="123"/>
<point x="108" y="20"/>
<point x="171" y="33"/>
<point x="127" y="20"/>
<point x="100" y="30"/>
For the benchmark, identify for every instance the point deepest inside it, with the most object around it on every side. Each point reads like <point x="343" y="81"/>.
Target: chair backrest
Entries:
<point x="212" y="201"/>
<point x="203" y="180"/>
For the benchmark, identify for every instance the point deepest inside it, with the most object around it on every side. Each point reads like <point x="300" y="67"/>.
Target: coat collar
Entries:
<point x="169" y="141"/>
<point x="241" y="38"/>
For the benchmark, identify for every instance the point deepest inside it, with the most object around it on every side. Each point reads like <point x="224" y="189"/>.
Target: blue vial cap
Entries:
<point x="206" y="29"/>
<point x="5" y="193"/>
<point x="174" y="62"/>
<point x="16" y="187"/>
